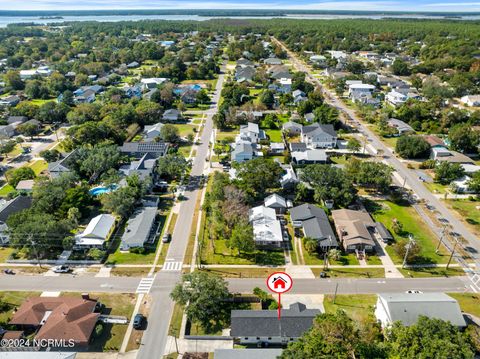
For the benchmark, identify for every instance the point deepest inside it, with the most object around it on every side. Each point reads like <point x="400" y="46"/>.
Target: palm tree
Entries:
<point x="310" y="244"/>
<point x="334" y="254"/>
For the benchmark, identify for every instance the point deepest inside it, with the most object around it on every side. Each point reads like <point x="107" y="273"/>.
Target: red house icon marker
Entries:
<point x="279" y="282"/>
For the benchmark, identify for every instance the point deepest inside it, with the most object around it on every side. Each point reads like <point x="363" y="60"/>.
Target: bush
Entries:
<point x="428" y="165"/>
<point x="99" y="329"/>
<point x="96" y="254"/>
<point x="138" y="250"/>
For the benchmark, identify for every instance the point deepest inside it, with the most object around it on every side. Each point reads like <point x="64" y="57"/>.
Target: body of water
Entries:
<point x="5" y="20"/>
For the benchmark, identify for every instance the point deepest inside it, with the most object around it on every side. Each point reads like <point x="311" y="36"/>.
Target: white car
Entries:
<point x="62" y="269"/>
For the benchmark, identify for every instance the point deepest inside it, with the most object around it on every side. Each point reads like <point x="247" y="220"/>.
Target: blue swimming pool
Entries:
<point x="96" y="191"/>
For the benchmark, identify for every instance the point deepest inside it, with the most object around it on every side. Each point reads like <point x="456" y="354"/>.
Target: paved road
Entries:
<point x="409" y="176"/>
<point x="161" y="312"/>
<point x="154" y="338"/>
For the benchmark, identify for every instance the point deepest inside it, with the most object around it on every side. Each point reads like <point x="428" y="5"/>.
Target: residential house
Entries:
<point x="58" y="318"/>
<point x="396" y="98"/>
<point x="297" y="146"/>
<point x="257" y="353"/>
<point x="150" y="132"/>
<point x="141" y="227"/>
<point x="139" y="149"/>
<point x="282" y="73"/>
<point x="25" y="185"/>
<point x="443" y="154"/>
<point x="96" y="233"/>
<point x="189" y="96"/>
<point x="337" y="55"/>
<point x="289" y="178"/>
<point x="284" y="85"/>
<point x="144" y="168"/>
<point x="7" y="208"/>
<point x="462" y="185"/>
<point x="292" y="128"/>
<point x="355" y="229"/>
<point x="7" y="131"/>
<point x="56" y="169"/>
<point x="267" y="328"/>
<point x="244" y="151"/>
<point x="310" y="157"/>
<point x="171" y="115"/>
<point x="272" y="61"/>
<point x="10" y="101"/>
<point x="319" y="136"/>
<point x="251" y="132"/>
<point x="315" y="224"/>
<point x="133" y="65"/>
<point x="277" y="148"/>
<point x="244" y="62"/>
<point x="151" y="83"/>
<point x="471" y="100"/>
<point x="277" y="202"/>
<point x="318" y="60"/>
<point x="400" y="126"/>
<point x="243" y="74"/>
<point x="267" y="230"/>
<point x="408" y="307"/>
<point x="358" y="91"/>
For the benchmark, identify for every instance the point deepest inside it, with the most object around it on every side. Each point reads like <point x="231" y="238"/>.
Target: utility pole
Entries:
<point x="441" y="238"/>
<point x="35" y="250"/>
<point x="453" y="251"/>
<point x="411" y="241"/>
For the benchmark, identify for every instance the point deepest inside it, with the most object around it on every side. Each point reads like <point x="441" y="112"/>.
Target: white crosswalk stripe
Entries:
<point x="145" y="285"/>
<point x="172" y="266"/>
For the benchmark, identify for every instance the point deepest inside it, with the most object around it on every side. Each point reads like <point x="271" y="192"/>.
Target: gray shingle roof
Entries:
<point x="139" y="227"/>
<point x="407" y="307"/>
<point x="264" y="323"/>
<point x="17" y="204"/>
<point x="320" y="228"/>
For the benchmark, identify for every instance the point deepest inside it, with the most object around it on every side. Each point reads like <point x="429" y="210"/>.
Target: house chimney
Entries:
<point x="85" y="296"/>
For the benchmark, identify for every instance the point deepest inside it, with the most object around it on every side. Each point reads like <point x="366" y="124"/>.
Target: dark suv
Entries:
<point x="138" y="321"/>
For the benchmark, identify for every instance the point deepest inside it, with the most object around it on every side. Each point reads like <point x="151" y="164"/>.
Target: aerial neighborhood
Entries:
<point x="155" y="173"/>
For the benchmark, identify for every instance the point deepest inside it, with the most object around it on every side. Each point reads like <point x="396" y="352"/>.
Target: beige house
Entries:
<point x="355" y="229"/>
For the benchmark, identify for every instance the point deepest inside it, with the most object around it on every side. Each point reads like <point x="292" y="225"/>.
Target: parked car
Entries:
<point x="138" y="321"/>
<point x="62" y="269"/>
<point x="167" y="237"/>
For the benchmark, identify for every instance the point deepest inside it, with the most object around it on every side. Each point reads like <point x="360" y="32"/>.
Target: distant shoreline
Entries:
<point x="226" y="12"/>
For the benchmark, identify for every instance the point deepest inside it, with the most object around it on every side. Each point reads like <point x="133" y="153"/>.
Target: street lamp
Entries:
<point x="410" y="243"/>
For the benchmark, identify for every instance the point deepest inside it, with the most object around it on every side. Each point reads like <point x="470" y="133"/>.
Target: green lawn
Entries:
<point x="5" y="252"/>
<point x="243" y="272"/>
<point x="221" y="135"/>
<point x="351" y="272"/>
<point x="5" y="190"/>
<point x="432" y="272"/>
<point x="221" y="254"/>
<point x="468" y="211"/>
<point x="357" y="306"/>
<point x="185" y="128"/>
<point x="274" y="135"/>
<point x="40" y="102"/>
<point x="176" y="321"/>
<point x="436" y="187"/>
<point x="39" y="166"/>
<point x="373" y="260"/>
<point x="386" y="211"/>
<point x="469" y="302"/>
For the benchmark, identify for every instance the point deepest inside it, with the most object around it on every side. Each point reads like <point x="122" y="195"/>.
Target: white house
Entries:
<point x="277" y="202"/>
<point x="407" y="307"/>
<point x="97" y="232"/>
<point x="152" y="82"/>
<point x="251" y="133"/>
<point x="396" y="98"/>
<point x="360" y="88"/>
<point x="461" y="185"/>
<point x="471" y="100"/>
<point x="319" y="136"/>
<point x="267" y="230"/>
<point x="172" y="115"/>
<point x="152" y="131"/>
<point x="400" y="126"/>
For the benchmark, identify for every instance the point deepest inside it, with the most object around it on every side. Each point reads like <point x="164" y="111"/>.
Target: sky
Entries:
<point x="379" y="5"/>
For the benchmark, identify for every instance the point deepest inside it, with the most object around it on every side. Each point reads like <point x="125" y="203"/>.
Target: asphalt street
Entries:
<point x="165" y="281"/>
<point x="155" y="337"/>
